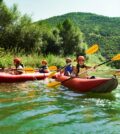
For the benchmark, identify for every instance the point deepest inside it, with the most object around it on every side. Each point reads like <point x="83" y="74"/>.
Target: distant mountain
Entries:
<point x="99" y="29"/>
<point x="83" y="19"/>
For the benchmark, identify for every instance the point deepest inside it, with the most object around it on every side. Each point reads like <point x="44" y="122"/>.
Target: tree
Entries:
<point x="71" y="37"/>
<point x="51" y="43"/>
<point x="8" y="19"/>
<point x="17" y="32"/>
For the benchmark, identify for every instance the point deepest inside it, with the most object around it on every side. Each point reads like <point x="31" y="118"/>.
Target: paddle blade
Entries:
<point x="92" y="49"/>
<point x="53" y="84"/>
<point x="52" y="68"/>
<point x="51" y="74"/>
<point x="117" y="57"/>
<point x="29" y="69"/>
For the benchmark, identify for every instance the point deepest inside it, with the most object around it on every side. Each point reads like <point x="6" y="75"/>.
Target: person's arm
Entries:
<point x="74" y="72"/>
<point x="88" y="67"/>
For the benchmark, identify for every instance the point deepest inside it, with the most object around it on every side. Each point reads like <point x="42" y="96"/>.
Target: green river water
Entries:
<point x="32" y="108"/>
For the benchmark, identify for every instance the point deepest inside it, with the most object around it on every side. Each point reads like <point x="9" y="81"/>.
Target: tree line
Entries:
<point x="64" y="35"/>
<point x="102" y="30"/>
<point x="19" y="34"/>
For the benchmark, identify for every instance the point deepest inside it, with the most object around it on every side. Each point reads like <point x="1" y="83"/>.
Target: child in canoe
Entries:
<point x="44" y="68"/>
<point x="81" y="68"/>
<point x="18" y="67"/>
<point x="68" y="68"/>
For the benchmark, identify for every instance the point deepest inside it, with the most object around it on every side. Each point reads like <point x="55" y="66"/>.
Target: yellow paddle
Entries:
<point x="56" y="83"/>
<point x="116" y="57"/>
<point x="52" y="68"/>
<point x="91" y="50"/>
<point x="51" y="74"/>
<point x="29" y="69"/>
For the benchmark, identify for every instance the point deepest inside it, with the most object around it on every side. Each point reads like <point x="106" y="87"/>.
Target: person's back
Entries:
<point x="18" y="66"/>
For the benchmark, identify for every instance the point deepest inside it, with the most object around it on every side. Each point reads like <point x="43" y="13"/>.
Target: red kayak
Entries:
<point x="10" y="78"/>
<point x="101" y="85"/>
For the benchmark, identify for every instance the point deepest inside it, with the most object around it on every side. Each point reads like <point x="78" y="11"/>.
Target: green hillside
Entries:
<point x="89" y="20"/>
<point x="97" y="29"/>
<point x="102" y="30"/>
<point x="67" y="35"/>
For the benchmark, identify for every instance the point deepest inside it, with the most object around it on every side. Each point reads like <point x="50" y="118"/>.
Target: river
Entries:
<point x="32" y="108"/>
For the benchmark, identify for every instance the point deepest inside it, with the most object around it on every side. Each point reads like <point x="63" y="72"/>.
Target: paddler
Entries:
<point x="18" y="66"/>
<point x="81" y="68"/>
<point x="68" y="68"/>
<point x="44" y="68"/>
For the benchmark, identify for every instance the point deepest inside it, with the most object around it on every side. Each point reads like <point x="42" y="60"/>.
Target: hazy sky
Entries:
<point x="41" y="9"/>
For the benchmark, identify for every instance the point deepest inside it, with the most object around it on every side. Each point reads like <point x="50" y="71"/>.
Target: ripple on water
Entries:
<point x="31" y="108"/>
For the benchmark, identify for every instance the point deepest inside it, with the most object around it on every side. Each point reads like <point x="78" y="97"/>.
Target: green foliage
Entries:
<point x="32" y="60"/>
<point x="55" y="60"/>
<point x="51" y="43"/>
<point x="102" y="30"/>
<point x="60" y="35"/>
<point x="71" y="37"/>
<point x="1" y="1"/>
<point x="18" y="33"/>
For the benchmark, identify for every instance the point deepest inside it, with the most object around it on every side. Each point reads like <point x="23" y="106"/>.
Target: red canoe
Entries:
<point x="101" y="85"/>
<point x="10" y="78"/>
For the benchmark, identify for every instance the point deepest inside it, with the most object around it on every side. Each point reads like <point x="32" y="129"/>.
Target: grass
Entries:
<point x="34" y="60"/>
<point x="96" y="59"/>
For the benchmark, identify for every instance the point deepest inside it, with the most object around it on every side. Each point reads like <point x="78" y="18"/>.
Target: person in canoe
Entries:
<point x="68" y="69"/>
<point x="18" y="67"/>
<point x="81" y="68"/>
<point x="44" y="68"/>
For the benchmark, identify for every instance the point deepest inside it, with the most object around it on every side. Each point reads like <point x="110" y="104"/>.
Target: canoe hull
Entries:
<point x="9" y="78"/>
<point x="101" y="85"/>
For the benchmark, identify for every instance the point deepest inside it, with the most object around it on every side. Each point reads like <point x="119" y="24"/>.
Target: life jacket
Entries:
<point x="80" y="69"/>
<point x="68" y="69"/>
<point x="43" y="69"/>
<point x="19" y="68"/>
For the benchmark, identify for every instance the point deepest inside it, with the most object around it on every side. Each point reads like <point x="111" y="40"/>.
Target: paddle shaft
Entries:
<point x="115" y="58"/>
<point x="104" y="62"/>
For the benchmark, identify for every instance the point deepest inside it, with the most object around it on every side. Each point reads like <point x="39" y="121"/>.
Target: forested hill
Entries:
<point x="87" y="21"/>
<point x="102" y="30"/>
<point x="66" y="35"/>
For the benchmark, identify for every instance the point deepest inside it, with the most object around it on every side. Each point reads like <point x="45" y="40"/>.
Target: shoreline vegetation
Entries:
<point x="56" y="38"/>
<point x="34" y="60"/>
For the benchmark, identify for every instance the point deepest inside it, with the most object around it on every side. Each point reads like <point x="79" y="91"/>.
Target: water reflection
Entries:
<point x="31" y="107"/>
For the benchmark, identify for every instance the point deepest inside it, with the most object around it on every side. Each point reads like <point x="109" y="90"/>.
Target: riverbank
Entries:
<point x="33" y="60"/>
